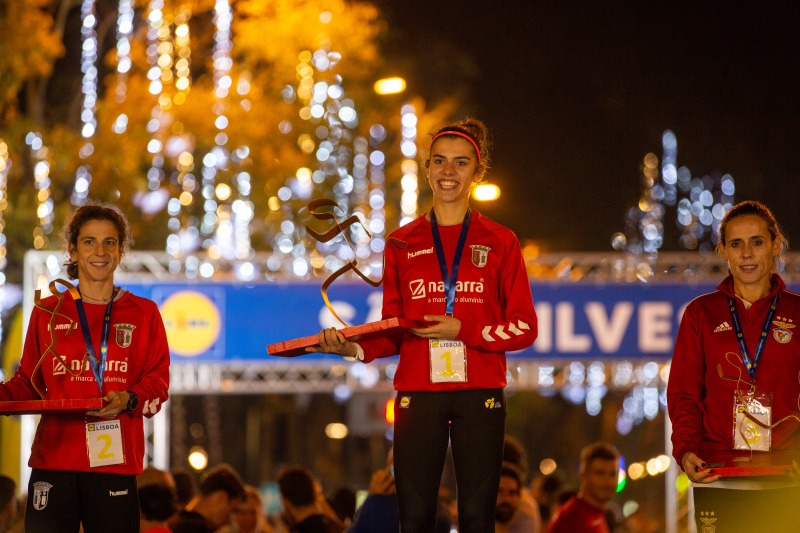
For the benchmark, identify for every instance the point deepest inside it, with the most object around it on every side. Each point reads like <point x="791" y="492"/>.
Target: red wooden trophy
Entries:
<point x="66" y="405"/>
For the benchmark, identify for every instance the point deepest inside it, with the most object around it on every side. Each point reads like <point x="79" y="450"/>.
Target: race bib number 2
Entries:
<point x="448" y="361"/>
<point x="104" y="443"/>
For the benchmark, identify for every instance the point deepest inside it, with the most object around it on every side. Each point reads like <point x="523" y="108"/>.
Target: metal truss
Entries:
<point x="281" y="377"/>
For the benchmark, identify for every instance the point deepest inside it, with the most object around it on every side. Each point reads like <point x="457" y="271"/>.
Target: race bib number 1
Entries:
<point x="448" y="361"/>
<point x="104" y="443"/>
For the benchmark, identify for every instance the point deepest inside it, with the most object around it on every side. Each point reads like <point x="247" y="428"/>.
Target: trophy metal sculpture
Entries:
<point x="386" y="327"/>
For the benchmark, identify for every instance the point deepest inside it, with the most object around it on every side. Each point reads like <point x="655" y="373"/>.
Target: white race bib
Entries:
<point x="448" y="361"/>
<point x="104" y="443"/>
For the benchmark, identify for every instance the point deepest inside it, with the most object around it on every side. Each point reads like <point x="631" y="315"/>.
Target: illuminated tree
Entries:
<point x="150" y="151"/>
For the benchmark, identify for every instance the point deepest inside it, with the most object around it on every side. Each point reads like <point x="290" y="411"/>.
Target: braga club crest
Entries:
<point x="41" y="493"/>
<point x="124" y="334"/>
<point x="480" y="254"/>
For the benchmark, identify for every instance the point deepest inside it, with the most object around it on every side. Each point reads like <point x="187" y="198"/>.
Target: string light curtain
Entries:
<point x="83" y="177"/>
<point x="124" y="60"/>
<point x="409" y="203"/>
<point x="40" y="155"/>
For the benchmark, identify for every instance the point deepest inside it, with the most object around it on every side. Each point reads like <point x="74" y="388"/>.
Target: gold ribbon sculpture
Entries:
<point x="338" y="228"/>
<point x="51" y="348"/>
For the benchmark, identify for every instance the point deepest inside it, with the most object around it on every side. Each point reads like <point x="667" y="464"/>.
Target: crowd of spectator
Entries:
<point x="221" y="502"/>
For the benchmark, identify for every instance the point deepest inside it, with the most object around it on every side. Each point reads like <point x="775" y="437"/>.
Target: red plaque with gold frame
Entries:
<point x="38" y="407"/>
<point x="741" y="464"/>
<point x="384" y="328"/>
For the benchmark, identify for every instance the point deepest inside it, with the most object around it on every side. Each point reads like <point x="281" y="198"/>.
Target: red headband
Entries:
<point x="467" y="137"/>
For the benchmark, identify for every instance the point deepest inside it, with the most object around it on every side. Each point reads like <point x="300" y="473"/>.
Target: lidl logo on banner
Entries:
<point x="192" y="321"/>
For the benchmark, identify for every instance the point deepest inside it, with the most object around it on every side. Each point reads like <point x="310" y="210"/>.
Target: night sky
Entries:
<point x="576" y="93"/>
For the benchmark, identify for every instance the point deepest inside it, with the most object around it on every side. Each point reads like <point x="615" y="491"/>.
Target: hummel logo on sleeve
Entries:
<point x="723" y="327"/>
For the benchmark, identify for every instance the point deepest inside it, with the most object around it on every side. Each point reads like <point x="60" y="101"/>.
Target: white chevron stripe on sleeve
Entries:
<point x="151" y="406"/>
<point x="523" y="325"/>
<point x="486" y="334"/>
<point x="514" y="329"/>
<point x="502" y="334"/>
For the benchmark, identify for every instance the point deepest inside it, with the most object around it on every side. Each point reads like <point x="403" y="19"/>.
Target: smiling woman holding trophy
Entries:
<point x="462" y="277"/>
<point x="95" y="340"/>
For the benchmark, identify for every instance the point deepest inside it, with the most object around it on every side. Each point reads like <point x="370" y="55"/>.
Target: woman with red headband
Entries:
<point x="463" y="278"/>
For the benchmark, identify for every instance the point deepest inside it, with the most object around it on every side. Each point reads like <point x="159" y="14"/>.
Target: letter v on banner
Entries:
<point x="609" y="332"/>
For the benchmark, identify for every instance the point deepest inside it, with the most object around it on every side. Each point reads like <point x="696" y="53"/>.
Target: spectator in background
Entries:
<point x="221" y="492"/>
<point x="8" y="503"/>
<point x="157" y="500"/>
<point x="184" y="487"/>
<point x="157" y="504"/>
<point x="153" y="476"/>
<point x="305" y="512"/>
<point x="545" y="490"/>
<point x="343" y="502"/>
<point x="19" y="525"/>
<point x="249" y="518"/>
<point x="585" y="511"/>
<point x="379" y="513"/>
<point x="508" y="502"/>
<point x="526" y="516"/>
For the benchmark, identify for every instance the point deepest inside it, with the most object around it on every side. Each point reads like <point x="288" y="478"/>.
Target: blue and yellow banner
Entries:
<point x="234" y="322"/>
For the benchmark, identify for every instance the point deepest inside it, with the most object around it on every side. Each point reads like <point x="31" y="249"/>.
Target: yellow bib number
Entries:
<point x="448" y="361"/>
<point x="104" y="443"/>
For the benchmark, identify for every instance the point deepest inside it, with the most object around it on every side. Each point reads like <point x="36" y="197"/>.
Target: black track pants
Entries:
<point x="473" y="422"/>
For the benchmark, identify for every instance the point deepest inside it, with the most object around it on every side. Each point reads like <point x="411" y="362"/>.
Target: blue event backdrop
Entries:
<point x="235" y="322"/>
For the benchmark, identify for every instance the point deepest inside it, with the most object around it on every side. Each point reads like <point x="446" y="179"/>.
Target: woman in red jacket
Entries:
<point x="110" y="344"/>
<point x="736" y="346"/>
<point x="463" y="278"/>
<point x="733" y="384"/>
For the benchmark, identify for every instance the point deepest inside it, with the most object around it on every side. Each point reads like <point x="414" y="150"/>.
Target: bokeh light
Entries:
<point x="486" y="192"/>
<point x="547" y="466"/>
<point x="394" y="85"/>
<point x="336" y="430"/>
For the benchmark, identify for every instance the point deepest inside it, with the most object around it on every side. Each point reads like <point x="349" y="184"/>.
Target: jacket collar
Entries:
<point x="726" y="287"/>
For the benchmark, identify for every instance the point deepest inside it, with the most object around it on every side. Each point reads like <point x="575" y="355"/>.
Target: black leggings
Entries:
<point x="59" y="501"/>
<point x="473" y="421"/>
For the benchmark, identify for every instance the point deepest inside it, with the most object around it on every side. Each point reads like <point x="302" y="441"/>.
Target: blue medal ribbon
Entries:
<point x="450" y="279"/>
<point x="98" y="365"/>
<point x="762" y="340"/>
